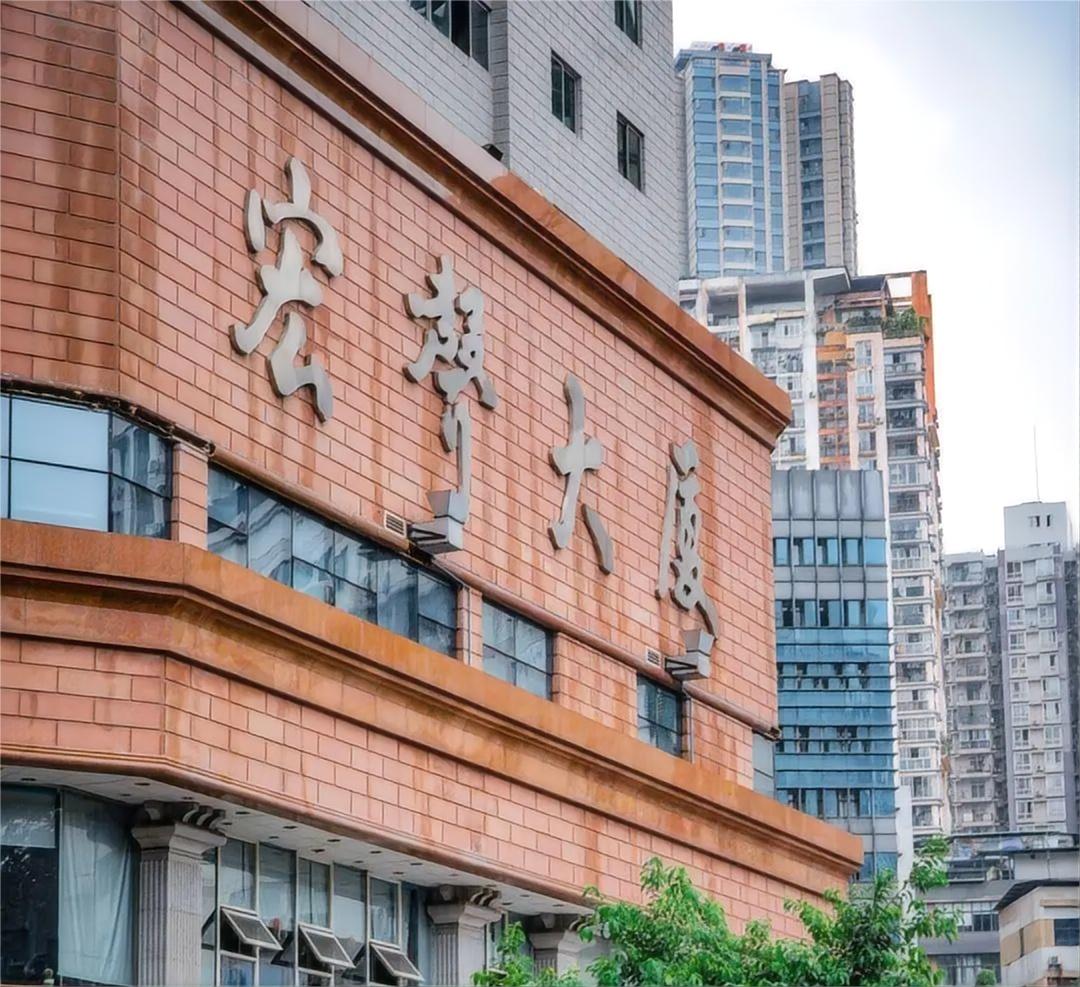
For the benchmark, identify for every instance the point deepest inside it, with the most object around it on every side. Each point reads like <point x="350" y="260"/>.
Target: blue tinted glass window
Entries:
<point x="659" y="716"/>
<point x="705" y="149"/>
<point x="781" y="551"/>
<point x="256" y="529"/>
<point x="852" y="551"/>
<point x="759" y="238"/>
<point x="706" y="193"/>
<point x="730" y="104"/>
<point x="709" y="234"/>
<point x="785" y="613"/>
<point x="759" y="260"/>
<point x="853" y="613"/>
<point x="778" y="245"/>
<point x="874" y="551"/>
<point x="876" y="613"/>
<point x="736" y="191"/>
<point x="759" y="218"/>
<point x="774" y="157"/>
<point x="812" y="190"/>
<point x="517" y="651"/>
<point x="806" y="613"/>
<point x="735" y="128"/>
<point x="737" y="212"/>
<point x="828" y="551"/>
<point x="702" y="84"/>
<point x="759" y="194"/>
<point x="738" y="234"/>
<point x="738" y="255"/>
<point x="813" y="231"/>
<point x="810" y="126"/>
<point x="705" y="128"/>
<point x="735" y="149"/>
<point x="829" y="613"/>
<point x="80" y="467"/>
<point x="709" y="258"/>
<point x="755" y="85"/>
<point x="733" y="83"/>
<point x="735" y="169"/>
<point x="775" y="179"/>
<point x="703" y="107"/>
<point x="708" y="214"/>
<point x="704" y="172"/>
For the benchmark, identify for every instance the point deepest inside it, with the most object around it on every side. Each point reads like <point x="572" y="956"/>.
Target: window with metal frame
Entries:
<point x="68" y="464"/>
<point x="564" y="92"/>
<point x="628" y="19"/>
<point x="631" y="152"/>
<point x="660" y="716"/>
<point x="256" y="529"/>
<point x="464" y="22"/>
<point x="517" y="651"/>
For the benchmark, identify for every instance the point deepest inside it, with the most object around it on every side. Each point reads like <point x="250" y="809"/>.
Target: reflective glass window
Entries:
<point x="517" y="650"/>
<point x="81" y="467"/>
<point x="659" y="716"/>
<point x="254" y="528"/>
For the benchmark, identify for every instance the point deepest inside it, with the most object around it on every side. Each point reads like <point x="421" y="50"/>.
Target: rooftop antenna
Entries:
<point x="1035" y="446"/>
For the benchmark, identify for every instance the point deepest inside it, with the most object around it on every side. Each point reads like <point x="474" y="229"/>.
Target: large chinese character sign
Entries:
<point x="460" y="354"/>
<point x="288" y="280"/>
<point x="681" y="573"/>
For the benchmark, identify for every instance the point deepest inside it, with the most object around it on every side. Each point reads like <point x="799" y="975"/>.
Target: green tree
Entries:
<point x="680" y="936"/>
<point x="986" y="978"/>
<point x="514" y="967"/>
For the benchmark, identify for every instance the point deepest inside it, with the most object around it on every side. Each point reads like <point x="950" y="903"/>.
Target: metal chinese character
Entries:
<point x="289" y="281"/>
<point x="463" y="355"/>
<point x="581" y="453"/>
<point x="686" y="589"/>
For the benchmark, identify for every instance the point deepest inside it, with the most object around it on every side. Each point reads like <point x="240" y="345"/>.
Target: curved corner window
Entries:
<point x="83" y="468"/>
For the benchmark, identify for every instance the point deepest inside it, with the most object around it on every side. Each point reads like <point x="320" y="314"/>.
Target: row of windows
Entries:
<point x="840" y="803"/>
<point x="464" y="22"/>
<point x="831" y="613"/>
<point x="83" y="468"/>
<point x="70" y="465"/>
<point x="809" y="550"/>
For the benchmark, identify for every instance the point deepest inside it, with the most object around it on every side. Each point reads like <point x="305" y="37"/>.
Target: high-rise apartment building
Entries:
<point x="579" y="99"/>
<point x="1011" y="630"/>
<point x="734" y="160"/>
<point x="820" y="174"/>
<point x="971" y="634"/>
<point x="836" y="757"/>
<point x="855" y="355"/>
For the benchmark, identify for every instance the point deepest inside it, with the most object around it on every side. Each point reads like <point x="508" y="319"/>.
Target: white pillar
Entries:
<point x="461" y="936"/>
<point x="170" y="905"/>
<point x="555" y="946"/>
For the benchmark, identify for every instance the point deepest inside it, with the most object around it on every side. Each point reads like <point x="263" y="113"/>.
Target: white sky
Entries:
<point x="967" y="165"/>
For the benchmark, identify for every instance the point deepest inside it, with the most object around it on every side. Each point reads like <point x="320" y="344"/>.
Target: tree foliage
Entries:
<point x="680" y="936"/>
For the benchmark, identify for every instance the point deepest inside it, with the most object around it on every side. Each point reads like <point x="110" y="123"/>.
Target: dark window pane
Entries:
<point x="277" y="880"/>
<point x="56" y="495"/>
<point x="313" y="540"/>
<point x="5" y="424"/>
<point x="315" y="582"/>
<point x="438" y="637"/>
<point x="357" y="600"/>
<point x="270" y="536"/>
<point x="460" y="33"/>
<point x="227" y="500"/>
<point x="314" y="893"/>
<point x="498" y="664"/>
<point x="29" y="890"/>
<point x="437" y="599"/>
<point x="397" y="597"/>
<point x="226" y="542"/>
<point x="532" y="680"/>
<point x="440" y="15"/>
<point x="480" y="33"/>
<point x="137" y="511"/>
<point x="531" y="646"/>
<point x="139" y="455"/>
<point x="237" y="972"/>
<point x="56" y="433"/>
<point x="237" y="874"/>
<point x="355" y="560"/>
<point x="781" y="555"/>
<point x="420" y="6"/>
<point x="384" y="911"/>
<point x="349" y="906"/>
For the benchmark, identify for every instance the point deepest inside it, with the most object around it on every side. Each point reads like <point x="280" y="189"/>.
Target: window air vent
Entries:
<point x="395" y="523"/>
<point x="654" y="657"/>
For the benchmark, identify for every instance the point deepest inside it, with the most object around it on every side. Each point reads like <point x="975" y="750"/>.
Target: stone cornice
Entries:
<point x="165" y="597"/>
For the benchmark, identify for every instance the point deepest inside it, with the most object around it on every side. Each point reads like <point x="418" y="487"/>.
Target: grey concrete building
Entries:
<point x="984" y="871"/>
<point x="971" y="633"/>
<point x="820" y="174"/>
<point x="578" y="98"/>
<point x="1011" y="658"/>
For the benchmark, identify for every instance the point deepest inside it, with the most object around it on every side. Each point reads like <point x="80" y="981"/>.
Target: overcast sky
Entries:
<point x="966" y="164"/>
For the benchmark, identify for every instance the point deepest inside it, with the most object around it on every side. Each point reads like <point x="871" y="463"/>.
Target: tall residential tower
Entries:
<point x="820" y="175"/>
<point x="734" y="160"/>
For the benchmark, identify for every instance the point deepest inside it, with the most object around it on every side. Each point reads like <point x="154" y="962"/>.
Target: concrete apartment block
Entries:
<point x="508" y="106"/>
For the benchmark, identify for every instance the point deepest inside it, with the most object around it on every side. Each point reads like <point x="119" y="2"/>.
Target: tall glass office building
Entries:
<point x="836" y="758"/>
<point x="734" y="160"/>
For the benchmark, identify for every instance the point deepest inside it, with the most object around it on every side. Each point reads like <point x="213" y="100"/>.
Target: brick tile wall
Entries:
<point x="197" y="125"/>
<point x="109" y="702"/>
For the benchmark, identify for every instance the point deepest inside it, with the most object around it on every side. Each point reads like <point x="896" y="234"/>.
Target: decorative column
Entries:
<point x="556" y="945"/>
<point x="173" y="837"/>
<point x="461" y="917"/>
